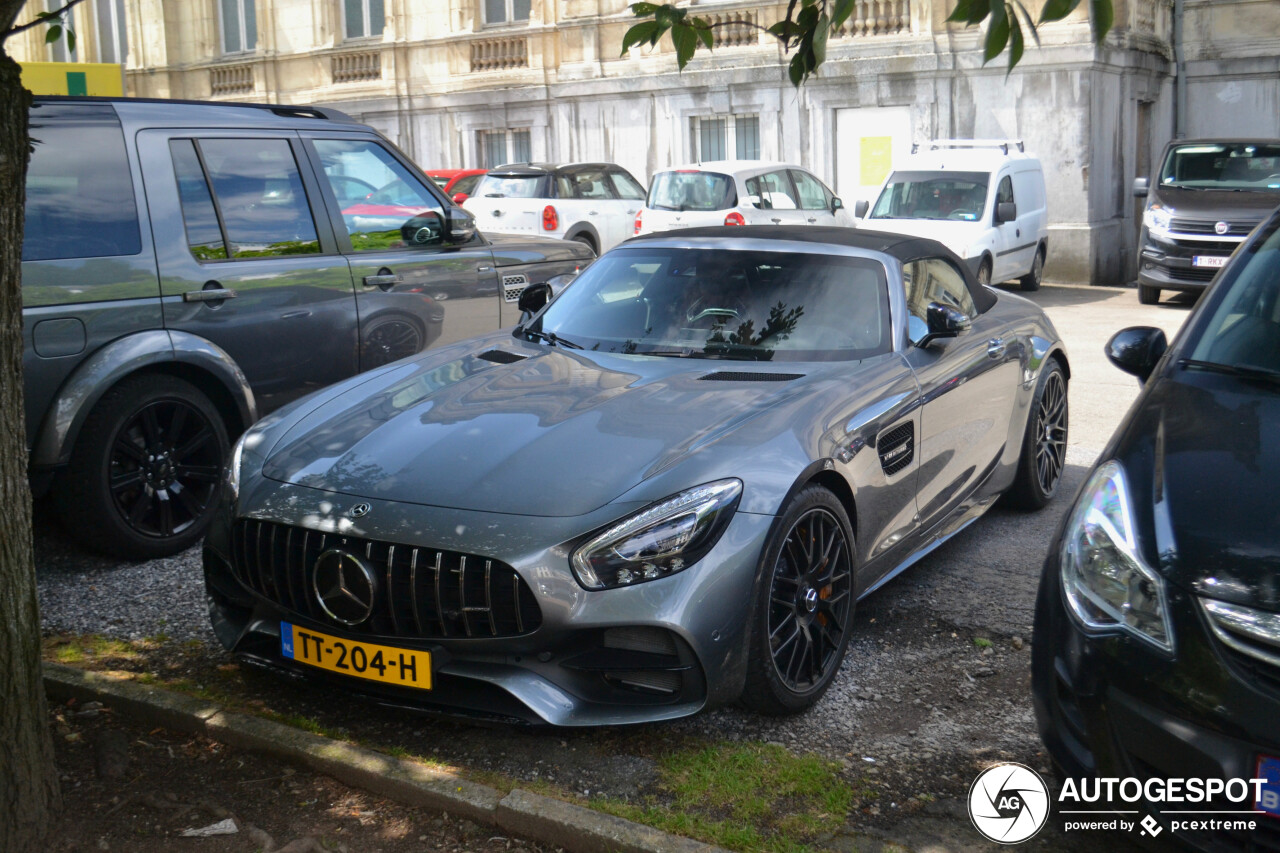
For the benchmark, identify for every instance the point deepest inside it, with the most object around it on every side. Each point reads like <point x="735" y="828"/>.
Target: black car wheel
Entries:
<point x="804" y="606"/>
<point x="390" y="339"/>
<point x="1031" y="281"/>
<point x="1044" y="446"/>
<point x="144" y="477"/>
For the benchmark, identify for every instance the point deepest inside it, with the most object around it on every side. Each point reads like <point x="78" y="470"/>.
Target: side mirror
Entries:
<point x="459" y="198"/>
<point x="459" y="225"/>
<point x="1141" y="186"/>
<point x="1006" y="211"/>
<point x="836" y="204"/>
<point x="533" y="299"/>
<point x="557" y="283"/>
<point x="1137" y="350"/>
<point x="945" y="321"/>
<point x="860" y="208"/>
<point x="425" y="229"/>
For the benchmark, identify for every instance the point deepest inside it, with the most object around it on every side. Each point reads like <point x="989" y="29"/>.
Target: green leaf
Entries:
<point x="53" y="34"/>
<point x="1056" y="10"/>
<point x="643" y="9"/>
<point x="669" y="16"/>
<point x="71" y="39"/>
<point x="704" y="33"/>
<point x="820" y="33"/>
<point x="1016" y="44"/>
<point x="841" y="12"/>
<point x="997" y="37"/>
<point x="807" y="20"/>
<point x="647" y="31"/>
<point x="796" y="70"/>
<point x="1103" y="15"/>
<point x="785" y="30"/>
<point x="1026" y="18"/>
<point x="978" y="11"/>
<point x="960" y="14"/>
<point x="685" y="38"/>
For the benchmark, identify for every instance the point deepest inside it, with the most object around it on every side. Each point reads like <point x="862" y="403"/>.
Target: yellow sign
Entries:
<point x="876" y="159"/>
<point x="74" y="78"/>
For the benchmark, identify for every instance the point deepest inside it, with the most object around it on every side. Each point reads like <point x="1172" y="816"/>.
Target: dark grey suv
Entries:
<point x="188" y="267"/>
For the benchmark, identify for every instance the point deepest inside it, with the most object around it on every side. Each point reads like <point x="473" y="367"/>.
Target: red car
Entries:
<point x="457" y="183"/>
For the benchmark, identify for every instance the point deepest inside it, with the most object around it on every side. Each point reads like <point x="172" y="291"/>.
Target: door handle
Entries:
<point x="811" y="220"/>
<point x="209" y="294"/>
<point x="592" y="213"/>
<point x="385" y="279"/>
<point x="775" y="220"/>
<point x="995" y="347"/>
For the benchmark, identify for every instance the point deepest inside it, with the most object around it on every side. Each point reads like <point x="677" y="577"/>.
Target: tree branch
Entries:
<point x="44" y="19"/>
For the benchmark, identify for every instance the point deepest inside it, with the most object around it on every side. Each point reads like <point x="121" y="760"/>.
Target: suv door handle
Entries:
<point x="212" y="294"/>
<point x="385" y="279"/>
<point x="811" y="220"/>
<point x="995" y="347"/>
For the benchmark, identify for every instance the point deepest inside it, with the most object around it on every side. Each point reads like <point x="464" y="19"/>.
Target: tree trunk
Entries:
<point x="28" y="782"/>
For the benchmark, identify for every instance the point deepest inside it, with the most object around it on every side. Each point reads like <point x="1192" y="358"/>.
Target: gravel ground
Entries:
<point x="916" y="709"/>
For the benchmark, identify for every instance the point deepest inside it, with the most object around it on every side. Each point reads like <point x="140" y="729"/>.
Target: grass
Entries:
<point x="982" y="642"/>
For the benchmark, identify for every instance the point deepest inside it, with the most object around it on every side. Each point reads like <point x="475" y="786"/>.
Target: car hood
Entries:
<point x="557" y="433"/>
<point x="956" y="236"/>
<point x="1204" y="466"/>
<point x="512" y="249"/>
<point x="1227" y="205"/>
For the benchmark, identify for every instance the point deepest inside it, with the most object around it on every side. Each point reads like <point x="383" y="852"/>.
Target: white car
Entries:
<point x="593" y="203"/>
<point x="738" y="192"/>
<point x="983" y="199"/>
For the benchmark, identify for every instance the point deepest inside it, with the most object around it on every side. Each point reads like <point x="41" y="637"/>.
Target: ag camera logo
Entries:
<point x="1009" y="803"/>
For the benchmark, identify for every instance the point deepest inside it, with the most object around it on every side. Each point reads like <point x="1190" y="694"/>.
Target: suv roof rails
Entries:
<point x="1002" y="144"/>
<point x="282" y="110"/>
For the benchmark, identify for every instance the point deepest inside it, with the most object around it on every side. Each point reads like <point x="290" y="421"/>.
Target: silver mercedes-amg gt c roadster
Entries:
<point x="663" y="491"/>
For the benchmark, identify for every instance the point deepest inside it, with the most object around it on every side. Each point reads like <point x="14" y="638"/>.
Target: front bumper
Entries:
<point x="1107" y="705"/>
<point x="654" y="651"/>
<point x="1170" y="264"/>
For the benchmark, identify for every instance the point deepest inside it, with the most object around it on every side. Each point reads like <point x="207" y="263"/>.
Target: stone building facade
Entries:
<point x="465" y="83"/>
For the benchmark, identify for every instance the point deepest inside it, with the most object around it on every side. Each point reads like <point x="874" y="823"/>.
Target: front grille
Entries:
<point x="424" y="593"/>
<point x="1192" y="273"/>
<point x="513" y="286"/>
<point x="1250" y="637"/>
<point x="1209" y="226"/>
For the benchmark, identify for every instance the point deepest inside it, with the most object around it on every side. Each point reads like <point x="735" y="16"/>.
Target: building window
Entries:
<point x="727" y="138"/>
<point x="505" y="11"/>
<point x="239" y="25"/>
<point x="58" y="50"/>
<point x="113" y="45"/>
<point x="498" y="147"/>
<point x="364" y="18"/>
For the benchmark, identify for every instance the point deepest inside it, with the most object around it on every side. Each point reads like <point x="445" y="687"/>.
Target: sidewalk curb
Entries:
<point x="532" y="816"/>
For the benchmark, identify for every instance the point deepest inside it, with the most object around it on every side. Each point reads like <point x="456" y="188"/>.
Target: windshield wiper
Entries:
<point x="553" y="339"/>
<point x="1244" y="371"/>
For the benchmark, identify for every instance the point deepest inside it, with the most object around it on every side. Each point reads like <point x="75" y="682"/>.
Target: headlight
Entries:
<point x="231" y="477"/>
<point x="1107" y="584"/>
<point x="660" y="540"/>
<point x="1158" y="220"/>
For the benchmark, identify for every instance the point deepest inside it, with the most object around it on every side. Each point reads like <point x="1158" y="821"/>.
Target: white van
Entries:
<point x="983" y="199"/>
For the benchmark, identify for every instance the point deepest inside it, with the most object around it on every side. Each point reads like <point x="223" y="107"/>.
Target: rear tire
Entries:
<point x="146" y="471"/>
<point x="803" y="610"/>
<point x="1148" y="295"/>
<point x="586" y="240"/>
<point x="1031" y="281"/>
<point x="1044" y="443"/>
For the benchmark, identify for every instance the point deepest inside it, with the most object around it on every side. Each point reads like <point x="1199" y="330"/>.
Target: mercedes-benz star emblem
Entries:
<point x="344" y="586"/>
<point x="1221" y="228"/>
<point x="360" y="510"/>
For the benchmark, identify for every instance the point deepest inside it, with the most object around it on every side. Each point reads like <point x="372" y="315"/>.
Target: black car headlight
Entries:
<point x="659" y="540"/>
<point x="1106" y="581"/>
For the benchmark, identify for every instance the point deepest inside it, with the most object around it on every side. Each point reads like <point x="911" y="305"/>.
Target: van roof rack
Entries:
<point x="1002" y="144"/>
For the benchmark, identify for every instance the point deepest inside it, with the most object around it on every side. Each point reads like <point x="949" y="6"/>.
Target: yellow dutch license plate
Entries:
<point x="387" y="664"/>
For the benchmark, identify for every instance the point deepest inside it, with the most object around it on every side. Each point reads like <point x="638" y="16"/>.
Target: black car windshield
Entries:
<point x="1237" y="166"/>
<point x="511" y="186"/>
<point x="692" y="190"/>
<point x="1244" y="329"/>
<point x="959" y="196"/>
<point x="723" y="303"/>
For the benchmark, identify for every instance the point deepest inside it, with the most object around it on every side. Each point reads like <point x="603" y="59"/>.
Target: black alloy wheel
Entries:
<point x="391" y="339"/>
<point x="145" y="476"/>
<point x="1044" y="448"/>
<point x="805" y="611"/>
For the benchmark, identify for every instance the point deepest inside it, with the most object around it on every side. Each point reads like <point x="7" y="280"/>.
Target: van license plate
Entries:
<point x="403" y="667"/>
<point x="1211" y="261"/>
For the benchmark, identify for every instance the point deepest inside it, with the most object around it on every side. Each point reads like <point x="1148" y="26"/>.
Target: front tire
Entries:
<point x="1044" y="444"/>
<point x="145" y="473"/>
<point x="984" y="272"/>
<point x="1148" y="295"/>
<point x="803" y="610"/>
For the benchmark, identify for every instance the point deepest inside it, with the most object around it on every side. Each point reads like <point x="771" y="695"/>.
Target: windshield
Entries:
<point x="721" y="303"/>
<point x="692" y="190"/>
<point x="959" y="196"/>
<point x="1242" y="166"/>
<point x="511" y="186"/>
<point x="1244" y="329"/>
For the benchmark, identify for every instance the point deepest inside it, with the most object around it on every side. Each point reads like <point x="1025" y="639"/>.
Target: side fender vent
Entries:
<point x="743" y="376"/>
<point x="501" y="356"/>
<point x="897" y="447"/>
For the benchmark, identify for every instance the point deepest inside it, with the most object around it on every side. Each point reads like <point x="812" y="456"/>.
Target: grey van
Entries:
<point x="188" y="267"/>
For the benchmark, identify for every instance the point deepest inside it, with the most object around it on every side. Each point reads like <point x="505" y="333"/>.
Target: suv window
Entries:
<point x="258" y="191"/>
<point x="80" y="201"/>
<point x="392" y="196"/>
<point x="933" y="280"/>
<point x="626" y="186"/>
<point x="771" y="191"/>
<point x="204" y="234"/>
<point x="813" y="196"/>
<point x="586" y="184"/>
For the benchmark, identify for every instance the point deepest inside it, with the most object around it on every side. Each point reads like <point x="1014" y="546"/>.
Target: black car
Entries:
<point x="1157" y="629"/>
